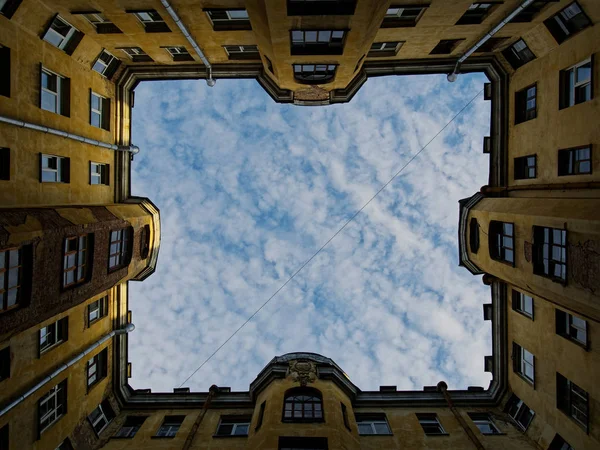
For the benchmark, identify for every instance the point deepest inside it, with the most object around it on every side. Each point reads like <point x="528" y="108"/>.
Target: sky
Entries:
<point x="249" y="190"/>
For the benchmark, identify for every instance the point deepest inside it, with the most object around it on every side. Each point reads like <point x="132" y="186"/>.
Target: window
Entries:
<point x="52" y="406"/>
<point x="242" y="51"/>
<point x="519" y="412"/>
<point x="558" y="443"/>
<point x="575" y="161"/>
<point x="63" y="35"/>
<point x="130" y="427"/>
<point x="522" y="303"/>
<point x="55" y="95"/>
<point x="491" y="45"/>
<point x="317" y="42"/>
<point x="106" y="64"/>
<point x="525" y="167"/>
<point x="303" y="405"/>
<point x="99" y="111"/>
<point x="445" y="46"/>
<point x="571" y="327"/>
<point x="550" y="253"/>
<point x="314" y="73"/>
<point x="369" y="424"/>
<point x="54" y="169"/>
<point x="484" y="422"/>
<point x="7" y="9"/>
<point x="320" y="7"/>
<point x="99" y="173"/>
<point x="345" y="416"/>
<point x="501" y="241"/>
<point x="65" y="445"/>
<point x="4" y="363"/>
<point x="96" y="368"/>
<point x="170" y="426"/>
<point x="475" y="14"/>
<point x="97" y="310"/>
<point x="229" y="19"/>
<point x="568" y="22"/>
<point x="261" y="415"/>
<point x="518" y="54"/>
<point x="179" y="54"/>
<point x="100" y="22"/>
<point x="76" y="259"/>
<point x="101" y="416"/>
<point x="145" y="241"/>
<point x="4" y="438"/>
<point x="119" y="250"/>
<point x="233" y="426"/>
<point x="430" y="423"/>
<point x="379" y="49"/>
<point x="54" y="334"/>
<point x="402" y="16"/>
<point x="136" y="54"/>
<point x="576" y="84"/>
<point x="152" y="21"/>
<point x="303" y="443"/>
<point x="523" y="363"/>
<point x="474" y="235"/>
<point x="528" y="14"/>
<point x="572" y="400"/>
<point x="11" y="278"/>
<point x="4" y="163"/>
<point x="526" y="104"/>
<point x="4" y="71"/>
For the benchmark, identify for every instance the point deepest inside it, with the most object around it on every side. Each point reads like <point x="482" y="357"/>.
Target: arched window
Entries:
<point x="303" y="405"/>
<point x="314" y="73"/>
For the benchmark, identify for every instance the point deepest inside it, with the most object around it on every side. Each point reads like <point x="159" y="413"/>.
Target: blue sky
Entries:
<point x="249" y="189"/>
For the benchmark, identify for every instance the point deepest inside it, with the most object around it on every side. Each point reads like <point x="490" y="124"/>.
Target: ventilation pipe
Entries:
<point x="209" y="80"/>
<point x="133" y="149"/>
<point x="443" y="388"/>
<point x="128" y="328"/>
<point x="454" y="75"/>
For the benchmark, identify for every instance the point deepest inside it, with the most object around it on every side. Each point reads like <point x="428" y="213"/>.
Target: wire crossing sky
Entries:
<point x="248" y="189"/>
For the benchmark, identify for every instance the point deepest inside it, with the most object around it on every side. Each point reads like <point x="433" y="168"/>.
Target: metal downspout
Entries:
<point x="210" y="81"/>
<point x="452" y="76"/>
<point x="65" y="366"/>
<point x="443" y="388"/>
<point x="190" y="438"/>
<point x="133" y="149"/>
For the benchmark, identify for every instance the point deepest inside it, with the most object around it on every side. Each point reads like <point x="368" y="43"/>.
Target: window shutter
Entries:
<point x="563" y="87"/>
<point x="65" y="96"/>
<point x="106" y="114"/>
<point x="11" y="7"/>
<point x="520" y="105"/>
<point x="66" y="170"/>
<point x="5" y="71"/>
<point x="4" y="164"/>
<point x="63" y="396"/>
<point x="106" y="169"/>
<point x="40" y="167"/>
<point x="73" y="42"/>
<point x="516" y="358"/>
<point x="40" y="89"/>
<point x="90" y="115"/>
<point x="107" y="28"/>
<point x="515" y="300"/>
<point x="112" y="68"/>
<point x="157" y="27"/>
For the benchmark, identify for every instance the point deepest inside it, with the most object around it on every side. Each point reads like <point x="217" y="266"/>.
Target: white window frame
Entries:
<point x="95" y="175"/>
<point x="57" y="95"/>
<point x="400" y="13"/>
<point x="44" y="330"/>
<point x="98" y="112"/>
<point x="522" y="304"/>
<point x="175" y="50"/>
<point x="241" y="49"/>
<point x="229" y="18"/>
<point x="133" y="51"/>
<point x="383" y="46"/>
<point x="526" y="360"/>
<point x="487" y="421"/>
<point x="577" y="84"/>
<point x="2" y="4"/>
<point x="96" y="18"/>
<point x="372" y="424"/>
<point x="52" y="394"/>
<point x="101" y="416"/>
<point x="65" y="39"/>
<point x="149" y="18"/>
<point x="57" y="171"/>
<point x="432" y="421"/>
<point x="234" y="428"/>
<point x="103" y="63"/>
<point x="168" y="429"/>
<point x="92" y="364"/>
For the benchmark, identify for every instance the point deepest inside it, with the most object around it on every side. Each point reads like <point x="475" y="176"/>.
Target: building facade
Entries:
<point x="72" y="235"/>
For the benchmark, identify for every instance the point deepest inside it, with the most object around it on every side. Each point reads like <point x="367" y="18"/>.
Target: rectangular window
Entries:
<point x="242" y="51"/>
<point x="99" y="21"/>
<point x="233" y="426"/>
<point x="317" y="42"/>
<point x="550" y="253"/>
<point x="519" y="412"/>
<point x="130" y="427"/>
<point x="101" y="416"/>
<point x="4" y="71"/>
<point x="97" y="310"/>
<point x="11" y="278"/>
<point x="402" y="16"/>
<point x="314" y="73"/>
<point x="568" y="22"/>
<point x="522" y="303"/>
<point x="430" y="423"/>
<point x="492" y="44"/>
<point x="445" y="46"/>
<point x="170" y="426"/>
<point x="96" y="368"/>
<point x="526" y="104"/>
<point x="558" y="443"/>
<point x="384" y="49"/>
<point x="501" y="241"/>
<point x="4" y="438"/>
<point x="261" y="415"/>
<point x="4" y="163"/>
<point x="576" y="84"/>
<point x="518" y="54"/>
<point x="525" y="167"/>
<point x="7" y="9"/>
<point x="529" y="13"/>
<point x="63" y="35"/>
<point x="5" y="363"/>
<point x="99" y="173"/>
<point x="523" y="363"/>
<point x="106" y="64"/>
<point x="302" y="443"/>
<point x="54" y="334"/>
<point x="370" y="424"/>
<point x="179" y="53"/>
<point x="345" y="416"/>
<point x="572" y="400"/>
<point x="229" y="19"/>
<point x="476" y="13"/>
<point x="151" y="20"/>
<point x="575" y="161"/>
<point x="75" y="259"/>
<point x="120" y="243"/>
<point x="55" y="95"/>
<point x="99" y="111"/>
<point x="321" y="7"/>
<point x="52" y="406"/>
<point x="54" y="169"/>
<point x="571" y="327"/>
<point x="136" y="54"/>
<point x="484" y="422"/>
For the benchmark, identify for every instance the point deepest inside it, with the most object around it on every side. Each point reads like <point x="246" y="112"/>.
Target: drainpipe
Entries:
<point x="210" y="81"/>
<point x="133" y="149"/>
<point x="443" y="388"/>
<point x="65" y="366"/>
<point x="212" y="391"/>
<point x="452" y="76"/>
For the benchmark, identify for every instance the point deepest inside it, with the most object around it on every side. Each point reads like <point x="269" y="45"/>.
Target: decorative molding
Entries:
<point x="303" y="371"/>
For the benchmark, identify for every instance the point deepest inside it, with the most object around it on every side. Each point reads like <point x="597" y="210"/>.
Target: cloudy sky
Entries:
<point x="249" y="189"/>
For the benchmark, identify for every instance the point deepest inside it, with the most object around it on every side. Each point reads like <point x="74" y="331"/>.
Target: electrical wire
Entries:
<point x="331" y="238"/>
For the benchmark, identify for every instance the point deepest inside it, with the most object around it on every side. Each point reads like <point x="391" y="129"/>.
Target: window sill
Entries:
<point x="376" y="435"/>
<point x="219" y="436"/>
<point x="523" y="314"/>
<point x="525" y="379"/>
<point x="437" y="434"/>
<point x="162" y="437"/>
<point x="579" y="424"/>
<point x="91" y="387"/>
<point x="286" y="420"/>
<point x="576" y="342"/>
<point x="49" y="349"/>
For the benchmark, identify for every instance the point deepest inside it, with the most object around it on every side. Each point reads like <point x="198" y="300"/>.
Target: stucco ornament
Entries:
<point x="303" y="371"/>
